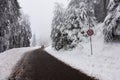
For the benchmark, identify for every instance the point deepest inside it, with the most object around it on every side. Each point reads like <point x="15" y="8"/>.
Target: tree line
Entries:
<point x="70" y="25"/>
<point x="14" y="26"/>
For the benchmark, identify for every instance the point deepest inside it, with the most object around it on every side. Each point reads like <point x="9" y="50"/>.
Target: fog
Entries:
<point x="41" y="14"/>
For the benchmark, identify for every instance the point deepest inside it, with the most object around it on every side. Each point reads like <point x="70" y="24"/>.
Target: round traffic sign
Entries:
<point x="90" y="32"/>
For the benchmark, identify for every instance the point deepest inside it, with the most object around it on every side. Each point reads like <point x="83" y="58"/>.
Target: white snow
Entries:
<point x="8" y="60"/>
<point x="104" y="64"/>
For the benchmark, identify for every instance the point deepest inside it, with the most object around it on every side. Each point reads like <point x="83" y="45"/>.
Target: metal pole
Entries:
<point x="91" y="45"/>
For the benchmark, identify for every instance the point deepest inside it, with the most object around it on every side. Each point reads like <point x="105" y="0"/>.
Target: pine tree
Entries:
<point x="14" y="23"/>
<point x="11" y="27"/>
<point x="25" y="34"/>
<point x="101" y="9"/>
<point x="57" y="24"/>
<point x="82" y="19"/>
<point x="112" y="22"/>
<point x="6" y="21"/>
<point x="72" y="25"/>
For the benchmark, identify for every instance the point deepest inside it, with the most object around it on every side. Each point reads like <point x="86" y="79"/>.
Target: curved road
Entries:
<point x="39" y="65"/>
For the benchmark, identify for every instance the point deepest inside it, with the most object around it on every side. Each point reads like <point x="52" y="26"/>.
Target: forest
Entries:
<point x="15" y="28"/>
<point x="69" y="25"/>
<point x="76" y="23"/>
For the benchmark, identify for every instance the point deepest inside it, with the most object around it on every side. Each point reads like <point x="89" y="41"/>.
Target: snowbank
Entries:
<point x="103" y="64"/>
<point x="8" y="60"/>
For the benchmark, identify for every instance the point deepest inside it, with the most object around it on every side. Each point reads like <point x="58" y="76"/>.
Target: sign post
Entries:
<point x="90" y="32"/>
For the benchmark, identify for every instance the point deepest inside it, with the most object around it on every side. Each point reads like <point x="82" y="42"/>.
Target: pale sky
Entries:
<point x="41" y="14"/>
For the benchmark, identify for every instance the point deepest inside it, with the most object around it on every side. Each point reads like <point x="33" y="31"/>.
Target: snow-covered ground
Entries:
<point x="9" y="58"/>
<point x="103" y="64"/>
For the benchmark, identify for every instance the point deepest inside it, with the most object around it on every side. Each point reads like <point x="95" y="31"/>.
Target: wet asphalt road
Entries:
<point x="39" y="65"/>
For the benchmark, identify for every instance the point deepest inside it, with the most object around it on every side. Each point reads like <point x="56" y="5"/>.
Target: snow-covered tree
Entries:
<point x="112" y="22"/>
<point x="25" y="34"/>
<point x="71" y="24"/>
<point x="13" y="16"/>
<point x="9" y="14"/>
<point x="57" y="23"/>
<point x="10" y="25"/>
<point x="101" y="9"/>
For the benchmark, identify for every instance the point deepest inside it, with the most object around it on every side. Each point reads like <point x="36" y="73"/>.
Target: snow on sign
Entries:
<point x="90" y="32"/>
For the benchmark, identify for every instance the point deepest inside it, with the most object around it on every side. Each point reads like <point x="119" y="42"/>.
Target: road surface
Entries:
<point x="39" y="65"/>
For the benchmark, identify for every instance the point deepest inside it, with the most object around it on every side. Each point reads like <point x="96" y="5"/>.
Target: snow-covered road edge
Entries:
<point x="9" y="58"/>
<point x="103" y="64"/>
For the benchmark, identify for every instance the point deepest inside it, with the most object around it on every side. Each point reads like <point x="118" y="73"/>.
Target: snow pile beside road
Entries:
<point x="8" y="60"/>
<point x="103" y="64"/>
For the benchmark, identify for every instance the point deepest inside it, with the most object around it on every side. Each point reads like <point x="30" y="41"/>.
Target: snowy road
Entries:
<point x="39" y="65"/>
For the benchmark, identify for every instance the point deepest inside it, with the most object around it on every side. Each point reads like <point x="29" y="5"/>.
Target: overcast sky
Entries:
<point x="41" y="14"/>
